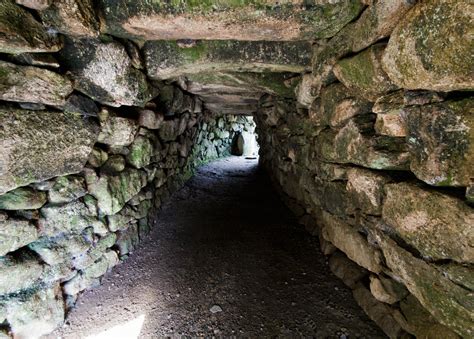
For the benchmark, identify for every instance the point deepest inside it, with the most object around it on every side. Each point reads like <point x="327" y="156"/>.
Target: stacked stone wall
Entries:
<point x="376" y="158"/>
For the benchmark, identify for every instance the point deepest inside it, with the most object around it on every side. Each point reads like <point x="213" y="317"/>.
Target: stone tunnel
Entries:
<point x="364" y="116"/>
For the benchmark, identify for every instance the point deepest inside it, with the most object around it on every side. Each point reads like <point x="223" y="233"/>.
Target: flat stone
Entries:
<point x="387" y="290"/>
<point x="141" y="151"/>
<point x="166" y="59"/>
<point x="449" y="303"/>
<point x="33" y="85"/>
<point x="432" y="222"/>
<point x="363" y="73"/>
<point x="349" y="241"/>
<point x="39" y="145"/>
<point x="66" y="189"/>
<point x="428" y="49"/>
<point x="440" y="139"/>
<point x="113" y="191"/>
<point x="20" y="273"/>
<point x="16" y="233"/>
<point x="345" y="269"/>
<point x="23" y="198"/>
<point x="399" y="99"/>
<point x="72" y="217"/>
<point x="380" y="313"/>
<point x="39" y="312"/>
<point x="104" y="72"/>
<point x="351" y="145"/>
<point x="278" y="84"/>
<point x="72" y="18"/>
<point x="117" y="131"/>
<point x="230" y="20"/>
<point x="60" y="249"/>
<point x="39" y="5"/>
<point x="21" y="33"/>
<point x="366" y="189"/>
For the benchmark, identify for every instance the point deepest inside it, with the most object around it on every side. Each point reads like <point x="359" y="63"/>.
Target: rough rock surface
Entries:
<point x="20" y="32"/>
<point x="433" y="223"/>
<point x="40" y="145"/>
<point x="104" y="72"/>
<point x="167" y="59"/>
<point x="75" y="18"/>
<point x="228" y="20"/>
<point x="428" y="49"/>
<point x="441" y="142"/>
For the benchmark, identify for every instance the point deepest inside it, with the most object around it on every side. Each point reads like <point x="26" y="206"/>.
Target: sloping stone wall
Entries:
<point x="376" y="158"/>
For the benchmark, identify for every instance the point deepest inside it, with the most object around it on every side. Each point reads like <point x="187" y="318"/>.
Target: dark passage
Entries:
<point x="224" y="258"/>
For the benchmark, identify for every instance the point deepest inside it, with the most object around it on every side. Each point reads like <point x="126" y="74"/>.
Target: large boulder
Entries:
<point x="38" y="145"/>
<point x="430" y="48"/>
<point x="433" y="223"/>
<point x="75" y="18"/>
<point x="228" y="20"/>
<point x="21" y="33"/>
<point x="169" y="59"/>
<point x="449" y="303"/>
<point x="104" y="72"/>
<point x="32" y="84"/>
<point x="441" y="140"/>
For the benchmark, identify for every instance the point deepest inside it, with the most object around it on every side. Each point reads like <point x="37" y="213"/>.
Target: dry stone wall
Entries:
<point x="376" y="158"/>
<point x="91" y="148"/>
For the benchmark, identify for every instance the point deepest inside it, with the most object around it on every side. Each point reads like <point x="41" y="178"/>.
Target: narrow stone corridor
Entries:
<point x="225" y="257"/>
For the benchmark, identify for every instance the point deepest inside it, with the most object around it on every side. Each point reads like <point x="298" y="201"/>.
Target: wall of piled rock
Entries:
<point x="91" y="148"/>
<point x="62" y="232"/>
<point x="376" y="157"/>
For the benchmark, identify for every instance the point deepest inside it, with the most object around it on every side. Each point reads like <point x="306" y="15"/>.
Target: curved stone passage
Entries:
<point x="226" y="244"/>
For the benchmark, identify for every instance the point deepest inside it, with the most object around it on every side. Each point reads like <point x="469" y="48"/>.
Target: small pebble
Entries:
<point x="215" y="309"/>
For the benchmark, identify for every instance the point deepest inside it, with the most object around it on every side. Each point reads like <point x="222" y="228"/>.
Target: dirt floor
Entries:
<point x="225" y="258"/>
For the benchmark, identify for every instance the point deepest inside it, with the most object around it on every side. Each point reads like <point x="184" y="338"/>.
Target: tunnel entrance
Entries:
<point x="119" y="197"/>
